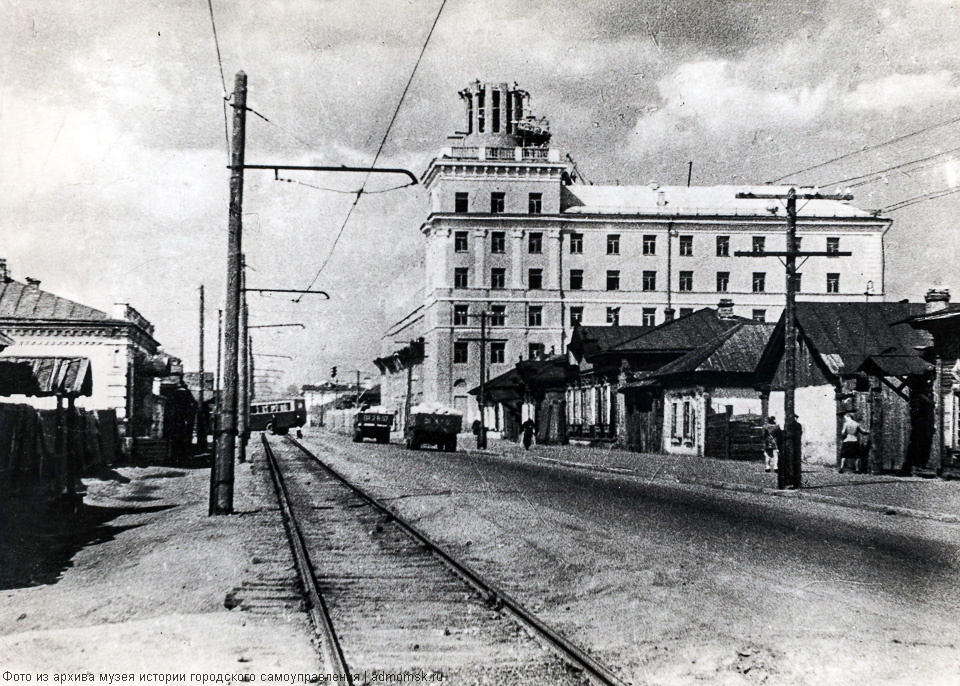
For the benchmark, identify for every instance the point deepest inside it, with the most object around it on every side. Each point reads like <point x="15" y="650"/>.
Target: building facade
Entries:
<point x="511" y="233"/>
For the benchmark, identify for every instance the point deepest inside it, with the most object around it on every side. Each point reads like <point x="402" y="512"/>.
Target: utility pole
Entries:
<point x="201" y="413"/>
<point x="482" y="394"/>
<point x="222" y="500"/>
<point x="789" y="467"/>
<point x="243" y="352"/>
<point x="358" y="390"/>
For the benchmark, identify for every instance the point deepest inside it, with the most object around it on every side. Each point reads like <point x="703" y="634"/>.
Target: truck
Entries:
<point x="372" y="425"/>
<point x="433" y="428"/>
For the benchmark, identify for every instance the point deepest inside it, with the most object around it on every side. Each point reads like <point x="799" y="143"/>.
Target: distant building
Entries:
<point x="124" y="357"/>
<point x="511" y="232"/>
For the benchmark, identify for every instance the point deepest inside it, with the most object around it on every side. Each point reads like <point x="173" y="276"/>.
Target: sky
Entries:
<point x="113" y="153"/>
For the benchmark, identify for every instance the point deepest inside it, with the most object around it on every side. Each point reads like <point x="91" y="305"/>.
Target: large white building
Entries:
<point x="511" y="232"/>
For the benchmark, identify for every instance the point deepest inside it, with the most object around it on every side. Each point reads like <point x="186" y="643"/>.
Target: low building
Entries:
<point x="123" y="354"/>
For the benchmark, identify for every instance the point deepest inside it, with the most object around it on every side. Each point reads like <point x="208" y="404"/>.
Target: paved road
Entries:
<point x="681" y="583"/>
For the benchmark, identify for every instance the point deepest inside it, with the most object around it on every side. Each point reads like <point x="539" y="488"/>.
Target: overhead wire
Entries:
<point x="376" y="157"/>
<point x="932" y="195"/>
<point x="223" y="80"/>
<point x="868" y="178"/>
<point x="869" y="148"/>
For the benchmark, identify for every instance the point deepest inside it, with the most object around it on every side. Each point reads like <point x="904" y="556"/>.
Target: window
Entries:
<point x="481" y="109"/>
<point x="535" y="204"/>
<point x="498" y="242"/>
<point x="576" y="279"/>
<point x="686" y="281"/>
<point x="759" y="315"/>
<point x="460" y="277"/>
<point x="613" y="316"/>
<point x="535" y="243"/>
<point x="833" y="283"/>
<point x="759" y="244"/>
<point x="534" y="350"/>
<point x="498" y="278"/>
<point x="495" y="111"/>
<point x="649" y="281"/>
<point x="535" y="279"/>
<point x="461" y="202"/>
<point x="576" y="315"/>
<point x="759" y="282"/>
<point x="498" y="315"/>
<point x="649" y="245"/>
<point x="673" y="419"/>
<point x="797" y="282"/>
<point x="613" y="280"/>
<point x="535" y="315"/>
<point x="460" y="241"/>
<point x="576" y="243"/>
<point x="723" y="281"/>
<point x="498" y="352"/>
<point x="461" y="315"/>
<point x="649" y="316"/>
<point x="613" y="244"/>
<point x="460" y="352"/>
<point x="833" y="244"/>
<point x="686" y="419"/>
<point x="723" y="246"/>
<point x="685" y="311"/>
<point x="497" y="202"/>
<point x="686" y="246"/>
<point x="798" y="242"/>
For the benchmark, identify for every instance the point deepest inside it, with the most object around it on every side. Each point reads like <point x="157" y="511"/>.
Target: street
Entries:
<point x="672" y="583"/>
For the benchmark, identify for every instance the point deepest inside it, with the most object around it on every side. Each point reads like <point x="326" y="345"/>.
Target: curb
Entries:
<point x="760" y="490"/>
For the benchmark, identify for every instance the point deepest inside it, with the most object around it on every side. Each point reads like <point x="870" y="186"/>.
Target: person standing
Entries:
<point x="850" y="434"/>
<point x="529" y="427"/>
<point x="772" y="443"/>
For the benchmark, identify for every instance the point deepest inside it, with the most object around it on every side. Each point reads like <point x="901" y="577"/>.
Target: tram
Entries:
<point x="277" y="416"/>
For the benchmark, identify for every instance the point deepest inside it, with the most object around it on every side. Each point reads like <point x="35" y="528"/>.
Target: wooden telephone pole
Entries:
<point x="482" y="394"/>
<point x="201" y="413"/>
<point x="789" y="467"/>
<point x="221" y="501"/>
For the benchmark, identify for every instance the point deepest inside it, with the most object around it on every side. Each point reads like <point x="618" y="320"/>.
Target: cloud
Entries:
<point x="912" y="91"/>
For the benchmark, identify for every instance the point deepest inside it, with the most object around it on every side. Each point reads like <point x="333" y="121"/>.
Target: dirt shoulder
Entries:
<point x="146" y="582"/>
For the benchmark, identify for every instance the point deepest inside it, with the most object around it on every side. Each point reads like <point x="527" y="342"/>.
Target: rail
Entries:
<point x="330" y="648"/>
<point x="560" y="645"/>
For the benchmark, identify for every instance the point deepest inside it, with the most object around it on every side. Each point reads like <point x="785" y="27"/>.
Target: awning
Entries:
<point x="45" y="376"/>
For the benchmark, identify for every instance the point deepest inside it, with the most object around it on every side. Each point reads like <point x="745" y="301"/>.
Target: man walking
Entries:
<point x="850" y="434"/>
<point x="772" y="443"/>
<point x="528" y="427"/>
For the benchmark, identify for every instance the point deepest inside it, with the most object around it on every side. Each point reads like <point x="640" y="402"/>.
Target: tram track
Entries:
<point x="379" y="562"/>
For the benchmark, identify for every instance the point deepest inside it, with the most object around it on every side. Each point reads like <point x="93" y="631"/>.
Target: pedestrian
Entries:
<point x="529" y="427"/>
<point x="797" y="439"/>
<point x="850" y="434"/>
<point x="478" y="432"/>
<point x="772" y="443"/>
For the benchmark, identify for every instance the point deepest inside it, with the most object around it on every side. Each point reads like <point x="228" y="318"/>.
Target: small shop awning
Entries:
<point x="45" y="376"/>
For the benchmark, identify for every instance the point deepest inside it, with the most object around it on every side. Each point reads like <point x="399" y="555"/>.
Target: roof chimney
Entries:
<point x="33" y="283"/>
<point x="725" y="308"/>
<point x="937" y="299"/>
<point x="4" y="274"/>
<point x="668" y="314"/>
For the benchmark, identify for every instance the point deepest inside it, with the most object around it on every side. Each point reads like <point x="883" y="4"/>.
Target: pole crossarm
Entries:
<point x="286" y="290"/>
<point x="799" y="195"/>
<point x="354" y="170"/>
<point x="484" y="340"/>
<point x="784" y="253"/>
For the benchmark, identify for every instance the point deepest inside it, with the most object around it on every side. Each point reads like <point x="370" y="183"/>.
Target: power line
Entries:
<point x="895" y="167"/>
<point x="932" y="195"/>
<point x="223" y="80"/>
<point x="383" y="142"/>
<point x="867" y="149"/>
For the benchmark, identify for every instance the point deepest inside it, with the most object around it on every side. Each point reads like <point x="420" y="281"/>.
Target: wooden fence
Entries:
<point x="734" y="437"/>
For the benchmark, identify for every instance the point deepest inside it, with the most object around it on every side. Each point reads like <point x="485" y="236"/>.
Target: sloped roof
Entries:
<point x="736" y="350"/>
<point x="951" y="311"/>
<point x="23" y="301"/>
<point x="589" y="340"/>
<point x="5" y="340"/>
<point x="685" y="333"/>
<point x="693" y="200"/>
<point x="45" y="376"/>
<point x="851" y="329"/>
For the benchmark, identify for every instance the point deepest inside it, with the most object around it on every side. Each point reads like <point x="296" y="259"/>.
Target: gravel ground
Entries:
<point x="142" y="584"/>
<point x="678" y="584"/>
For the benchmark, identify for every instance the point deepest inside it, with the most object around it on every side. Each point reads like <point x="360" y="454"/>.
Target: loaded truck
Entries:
<point x="372" y="425"/>
<point x="433" y="428"/>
